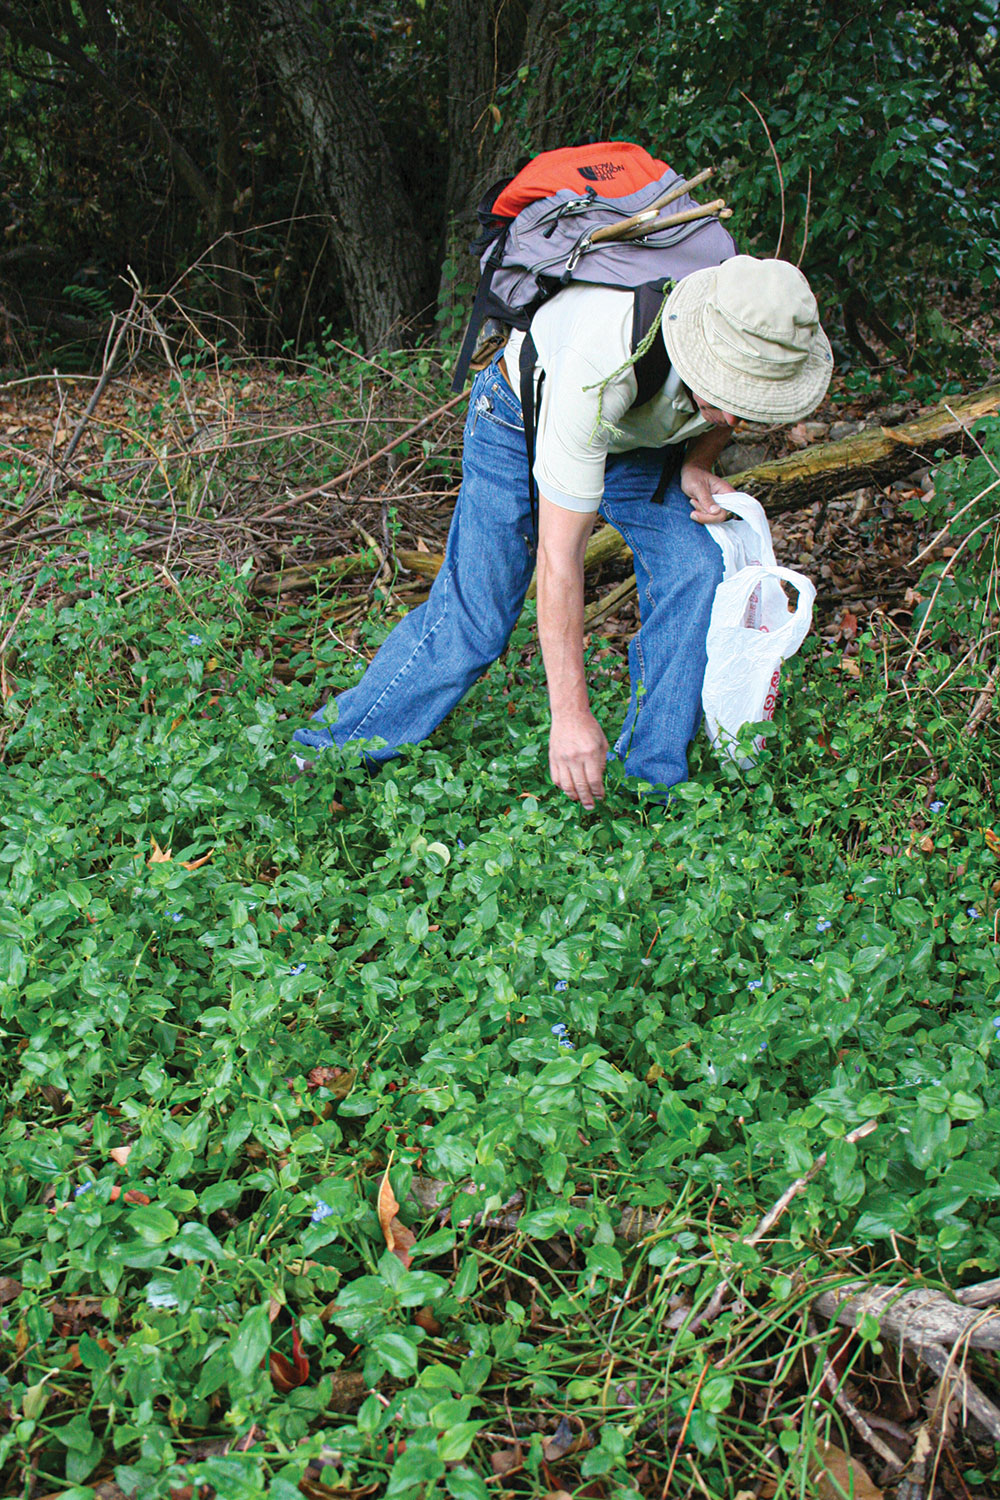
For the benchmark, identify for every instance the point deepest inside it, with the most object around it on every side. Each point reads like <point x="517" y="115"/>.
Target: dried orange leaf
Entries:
<point x="120" y="1154"/>
<point x="387" y="1206"/>
<point x="398" y="1238"/>
<point x="992" y="841"/>
<point x="159" y="856"/>
<point x="196" y="864"/>
<point x="425" y="1319"/>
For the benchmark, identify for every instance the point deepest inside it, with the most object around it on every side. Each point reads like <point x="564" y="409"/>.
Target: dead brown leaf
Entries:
<point x="159" y="856"/>
<point x="196" y="864"/>
<point x="564" y="1440"/>
<point x="839" y="1474"/>
<point x="9" y="1289"/>
<point x="339" y="1081"/>
<point x="120" y="1154"/>
<point x="398" y="1238"/>
<point x="503" y="1460"/>
<point x="425" y="1319"/>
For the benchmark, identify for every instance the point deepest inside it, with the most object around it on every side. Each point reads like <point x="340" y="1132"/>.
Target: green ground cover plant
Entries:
<point x="237" y="1008"/>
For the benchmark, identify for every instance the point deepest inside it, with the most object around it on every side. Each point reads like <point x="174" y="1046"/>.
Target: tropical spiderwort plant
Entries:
<point x="260" y="1121"/>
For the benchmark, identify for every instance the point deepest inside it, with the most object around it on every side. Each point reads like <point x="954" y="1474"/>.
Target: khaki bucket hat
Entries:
<point x="746" y="337"/>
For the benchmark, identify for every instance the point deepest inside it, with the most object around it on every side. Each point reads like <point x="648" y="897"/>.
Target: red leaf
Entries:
<point x="299" y="1359"/>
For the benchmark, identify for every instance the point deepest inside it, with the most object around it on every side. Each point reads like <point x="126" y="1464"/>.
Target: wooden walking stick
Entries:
<point x="621" y="230"/>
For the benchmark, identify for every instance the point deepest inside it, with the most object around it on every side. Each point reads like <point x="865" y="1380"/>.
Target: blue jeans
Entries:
<point x="435" y="654"/>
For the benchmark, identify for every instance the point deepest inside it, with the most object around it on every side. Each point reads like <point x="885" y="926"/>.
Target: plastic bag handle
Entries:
<point x="751" y="577"/>
<point x="752" y="512"/>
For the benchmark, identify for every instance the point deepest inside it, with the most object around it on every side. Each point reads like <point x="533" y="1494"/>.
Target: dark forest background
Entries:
<point x="301" y="168"/>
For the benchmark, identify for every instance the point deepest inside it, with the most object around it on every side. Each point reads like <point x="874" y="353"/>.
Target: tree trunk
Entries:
<point x="380" y="256"/>
<point x="489" y="43"/>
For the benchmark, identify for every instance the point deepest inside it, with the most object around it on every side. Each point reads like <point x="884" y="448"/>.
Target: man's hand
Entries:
<point x="701" y="486"/>
<point x="577" y="747"/>
<point x="697" y="480"/>
<point x="578" y="751"/>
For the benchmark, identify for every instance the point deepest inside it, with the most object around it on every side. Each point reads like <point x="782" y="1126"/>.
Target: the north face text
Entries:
<point x="602" y="172"/>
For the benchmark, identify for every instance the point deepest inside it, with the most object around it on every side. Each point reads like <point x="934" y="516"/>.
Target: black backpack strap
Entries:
<point x="531" y="399"/>
<point x="672" y="459"/>
<point x="653" y="367"/>
<point x="479" y="308"/>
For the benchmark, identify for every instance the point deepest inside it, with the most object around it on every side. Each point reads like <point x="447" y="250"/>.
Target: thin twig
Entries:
<point x="366" y="463"/>
<point x="942" y="1362"/>
<point x="772" y="1216"/>
<point x="684" y="1427"/>
<point x="981" y="706"/>
<point x="19" y="617"/>
<point x="843" y="1403"/>
<point x="944" y="574"/>
<point x="950" y="523"/>
<point x="777" y="163"/>
<point x="969" y="433"/>
<point x="102" y="384"/>
<point x="805" y="226"/>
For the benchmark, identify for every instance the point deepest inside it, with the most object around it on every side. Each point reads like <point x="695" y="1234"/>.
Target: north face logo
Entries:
<point x="602" y="172"/>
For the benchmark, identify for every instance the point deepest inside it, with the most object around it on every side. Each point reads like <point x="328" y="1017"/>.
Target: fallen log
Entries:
<point x="918" y="1317"/>
<point x="427" y="564"/>
<point x="874" y="456"/>
<point x="821" y="472"/>
<point x="825" y="471"/>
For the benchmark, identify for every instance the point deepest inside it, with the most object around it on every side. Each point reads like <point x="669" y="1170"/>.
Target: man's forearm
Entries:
<point x="560" y="631"/>
<point x="703" y="450"/>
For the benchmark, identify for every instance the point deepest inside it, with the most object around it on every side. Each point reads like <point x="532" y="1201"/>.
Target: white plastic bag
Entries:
<point x="752" y="629"/>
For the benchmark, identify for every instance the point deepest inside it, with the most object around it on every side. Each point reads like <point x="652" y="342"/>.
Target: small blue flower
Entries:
<point x="459" y="843"/>
<point x="564" y="1041"/>
<point x="558" y="1029"/>
<point x="175" y="916"/>
<point x="195" y="640"/>
<point x="297" y="969"/>
<point x="823" y="926"/>
<point x="971" y="911"/>
<point x="755" y="984"/>
<point x="359" y="666"/>
<point x="84" y="1187"/>
<point x="937" y="807"/>
<point x="996" y="1022"/>
<point x="562" y="984"/>
<point x="320" y="1212"/>
<point x="763" y="1047"/>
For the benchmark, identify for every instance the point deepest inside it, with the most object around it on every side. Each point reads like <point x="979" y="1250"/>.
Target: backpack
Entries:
<point x="572" y="216"/>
